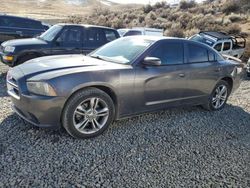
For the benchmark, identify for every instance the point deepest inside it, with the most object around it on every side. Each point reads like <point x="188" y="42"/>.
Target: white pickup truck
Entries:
<point x="143" y="31"/>
<point x="223" y="43"/>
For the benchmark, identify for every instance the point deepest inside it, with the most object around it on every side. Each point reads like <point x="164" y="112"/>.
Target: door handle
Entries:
<point x="182" y="75"/>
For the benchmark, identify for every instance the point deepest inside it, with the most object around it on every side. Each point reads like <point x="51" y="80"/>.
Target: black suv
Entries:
<point x="58" y="40"/>
<point x="12" y="27"/>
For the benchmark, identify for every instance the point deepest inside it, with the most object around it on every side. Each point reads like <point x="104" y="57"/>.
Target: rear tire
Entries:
<point x="88" y="113"/>
<point x="218" y="98"/>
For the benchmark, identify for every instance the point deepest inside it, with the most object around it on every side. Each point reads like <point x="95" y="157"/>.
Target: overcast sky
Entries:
<point x="146" y="1"/>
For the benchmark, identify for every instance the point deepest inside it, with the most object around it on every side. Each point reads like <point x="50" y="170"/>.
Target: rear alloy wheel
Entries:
<point x="219" y="96"/>
<point x="88" y="113"/>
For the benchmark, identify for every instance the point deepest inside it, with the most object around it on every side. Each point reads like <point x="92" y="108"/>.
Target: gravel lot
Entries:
<point x="175" y="148"/>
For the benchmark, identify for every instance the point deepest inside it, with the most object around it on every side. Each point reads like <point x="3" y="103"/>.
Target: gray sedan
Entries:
<point x="126" y="77"/>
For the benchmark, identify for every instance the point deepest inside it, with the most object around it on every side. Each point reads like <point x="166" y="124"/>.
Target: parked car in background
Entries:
<point x="126" y="77"/>
<point x="144" y="31"/>
<point x="13" y="27"/>
<point x="223" y="43"/>
<point x="248" y="68"/>
<point x="122" y="31"/>
<point x="59" y="39"/>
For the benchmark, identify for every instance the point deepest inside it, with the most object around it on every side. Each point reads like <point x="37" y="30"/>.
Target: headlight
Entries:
<point x="9" y="49"/>
<point x="41" y="88"/>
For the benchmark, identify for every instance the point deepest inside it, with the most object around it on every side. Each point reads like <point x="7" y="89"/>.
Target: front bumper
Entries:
<point x="39" y="110"/>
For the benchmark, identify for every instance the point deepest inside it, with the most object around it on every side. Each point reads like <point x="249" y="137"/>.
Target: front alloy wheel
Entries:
<point x="88" y="113"/>
<point x="91" y="115"/>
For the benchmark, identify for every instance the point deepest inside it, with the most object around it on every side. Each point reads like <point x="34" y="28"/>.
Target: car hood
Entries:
<point x="24" y="42"/>
<point x="69" y="63"/>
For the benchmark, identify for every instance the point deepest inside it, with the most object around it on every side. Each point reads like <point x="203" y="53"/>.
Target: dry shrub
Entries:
<point x="233" y="29"/>
<point x="187" y="4"/>
<point x="236" y="18"/>
<point x="175" y="31"/>
<point x="231" y="6"/>
<point x="191" y="32"/>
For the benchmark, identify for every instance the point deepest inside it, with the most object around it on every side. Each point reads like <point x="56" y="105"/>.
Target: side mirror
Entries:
<point x="152" y="61"/>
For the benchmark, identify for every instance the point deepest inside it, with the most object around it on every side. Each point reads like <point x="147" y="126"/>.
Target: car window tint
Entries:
<point x="227" y="46"/>
<point x="169" y="53"/>
<point x="197" y="53"/>
<point x="70" y="35"/>
<point x="20" y="22"/>
<point x="218" y="47"/>
<point x="211" y="56"/>
<point x="95" y="38"/>
<point x="110" y="35"/>
<point x="131" y="33"/>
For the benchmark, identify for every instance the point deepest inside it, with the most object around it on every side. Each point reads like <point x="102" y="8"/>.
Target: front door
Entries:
<point x="164" y="85"/>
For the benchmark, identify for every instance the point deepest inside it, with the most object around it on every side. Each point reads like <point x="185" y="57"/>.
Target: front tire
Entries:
<point x="88" y="113"/>
<point x="218" y="98"/>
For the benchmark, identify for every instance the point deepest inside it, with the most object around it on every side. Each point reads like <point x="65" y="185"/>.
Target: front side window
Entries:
<point x="122" y="50"/>
<point x="51" y="33"/>
<point x="227" y="46"/>
<point x="170" y="53"/>
<point x="197" y="54"/>
<point x="218" y="47"/>
<point x="70" y="35"/>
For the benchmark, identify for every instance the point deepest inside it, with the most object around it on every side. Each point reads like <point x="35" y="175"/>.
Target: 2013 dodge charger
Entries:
<point x="128" y="76"/>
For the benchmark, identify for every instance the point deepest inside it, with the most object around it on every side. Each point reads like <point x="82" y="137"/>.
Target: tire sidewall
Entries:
<point x="222" y="82"/>
<point x="78" y="98"/>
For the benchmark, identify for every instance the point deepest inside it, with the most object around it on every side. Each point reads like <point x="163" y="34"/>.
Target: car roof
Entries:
<point x="216" y="34"/>
<point x="84" y="25"/>
<point x="156" y="38"/>
<point x="25" y="18"/>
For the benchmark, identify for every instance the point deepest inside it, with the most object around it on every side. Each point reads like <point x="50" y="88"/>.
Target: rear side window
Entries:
<point x="131" y="33"/>
<point x="218" y="47"/>
<point x="211" y="56"/>
<point x="170" y="53"/>
<point x="197" y="54"/>
<point x="227" y="46"/>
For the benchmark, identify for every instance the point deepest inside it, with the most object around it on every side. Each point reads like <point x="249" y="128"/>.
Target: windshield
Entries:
<point x="201" y="39"/>
<point x="51" y="33"/>
<point x="122" y="50"/>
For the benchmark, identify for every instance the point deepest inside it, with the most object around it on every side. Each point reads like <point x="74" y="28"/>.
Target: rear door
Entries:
<point x="69" y="41"/>
<point x="202" y="72"/>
